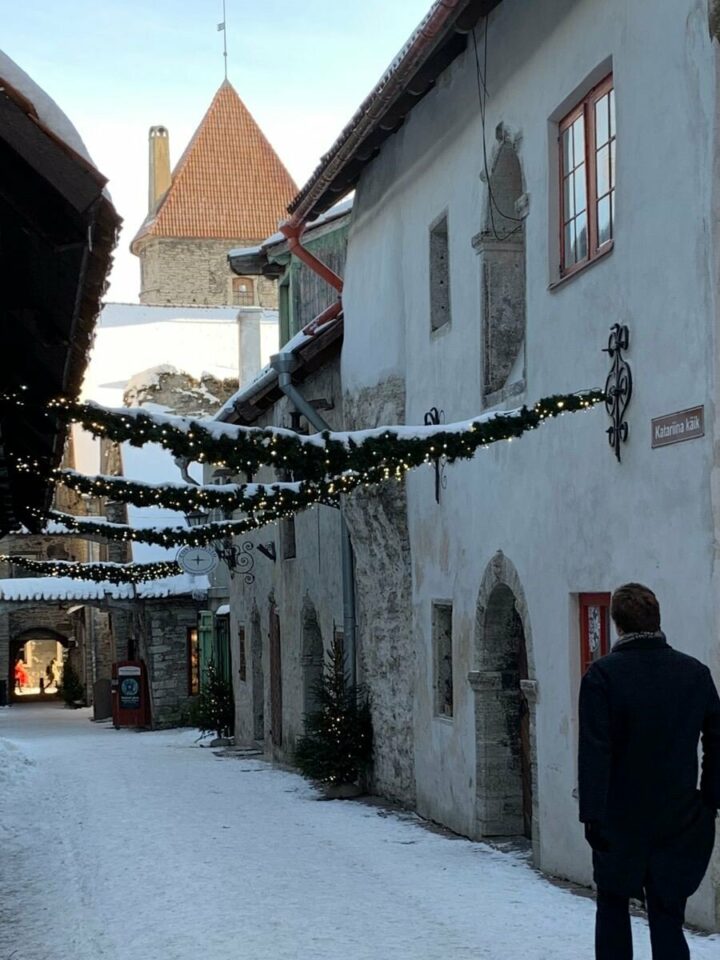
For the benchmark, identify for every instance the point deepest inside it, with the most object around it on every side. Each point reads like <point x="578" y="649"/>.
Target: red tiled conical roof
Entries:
<point x="229" y="183"/>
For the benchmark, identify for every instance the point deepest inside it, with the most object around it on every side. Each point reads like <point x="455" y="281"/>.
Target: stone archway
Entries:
<point x="18" y="643"/>
<point x="505" y="691"/>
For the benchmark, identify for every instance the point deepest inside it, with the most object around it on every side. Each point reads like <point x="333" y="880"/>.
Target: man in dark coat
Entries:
<point x="643" y="710"/>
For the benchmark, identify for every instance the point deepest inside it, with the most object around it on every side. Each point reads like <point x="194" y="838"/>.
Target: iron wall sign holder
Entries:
<point x="618" y="386"/>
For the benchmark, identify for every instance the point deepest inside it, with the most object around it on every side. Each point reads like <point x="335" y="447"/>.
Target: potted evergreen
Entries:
<point x="336" y="749"/>
<point x="214" y="709"/>
<point x="70" y="687"/>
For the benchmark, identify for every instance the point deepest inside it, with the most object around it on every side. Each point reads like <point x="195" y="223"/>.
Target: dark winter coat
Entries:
<point x="643" y="709"/>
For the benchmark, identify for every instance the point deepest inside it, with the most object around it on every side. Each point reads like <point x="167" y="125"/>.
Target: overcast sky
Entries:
<point x="116" y="67"/>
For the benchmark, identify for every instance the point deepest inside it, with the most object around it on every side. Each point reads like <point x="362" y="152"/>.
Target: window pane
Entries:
<point x="567" y="151"/>
<point x="612" y="113"/>
<point x="580" y="189"/>
<point x="579" y="140"/>
<point x="581" y="237"/>
<point x="603" y="171"/>
<point x="569" y="258"/>
<point x="568" y="199"/>
<point x="604" y="221"/>
<point x="602" y="129"/>
<point x="612" y="164"/>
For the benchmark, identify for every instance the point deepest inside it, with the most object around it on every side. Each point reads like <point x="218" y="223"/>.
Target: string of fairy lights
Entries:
<point x="330" y="464"/>
<point x="97" y="572"/>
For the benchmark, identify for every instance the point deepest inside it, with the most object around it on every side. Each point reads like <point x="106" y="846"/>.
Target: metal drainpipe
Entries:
<point x="284" y="363"/>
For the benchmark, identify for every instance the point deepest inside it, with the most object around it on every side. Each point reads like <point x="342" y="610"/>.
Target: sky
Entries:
<point x="117" y="67"/>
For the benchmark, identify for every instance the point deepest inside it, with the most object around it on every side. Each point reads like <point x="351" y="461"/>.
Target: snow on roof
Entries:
<point x="339" y="210"/>
<point x="48" y="112"/>
<point x="268" y="374"/>
<point x="60" y="589"/>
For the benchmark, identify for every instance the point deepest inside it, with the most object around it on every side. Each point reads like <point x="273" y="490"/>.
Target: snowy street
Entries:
<point x="116" y="844"/>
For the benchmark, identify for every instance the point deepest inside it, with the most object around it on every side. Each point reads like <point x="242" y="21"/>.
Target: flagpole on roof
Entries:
<point x="223" y="26"/>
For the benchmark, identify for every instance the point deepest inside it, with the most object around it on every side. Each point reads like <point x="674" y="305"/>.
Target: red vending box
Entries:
<point x="130" y="702"/>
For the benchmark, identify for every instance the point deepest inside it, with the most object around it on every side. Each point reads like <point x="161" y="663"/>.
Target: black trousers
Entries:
<point x="613" y="937"/>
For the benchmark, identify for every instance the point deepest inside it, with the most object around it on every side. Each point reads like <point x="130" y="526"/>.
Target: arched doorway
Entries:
<point x="258" y="676"/>
<point x="37" y="649"/>
<point x="505" y="701"/>
<point x="313" y="654"/>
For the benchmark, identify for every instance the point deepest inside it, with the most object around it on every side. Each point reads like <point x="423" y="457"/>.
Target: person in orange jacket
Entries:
<point x="21" y="675"/>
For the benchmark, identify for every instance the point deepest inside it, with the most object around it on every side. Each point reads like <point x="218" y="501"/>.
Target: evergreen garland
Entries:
<point x="337" y="745"/>
<point x="319" y="455"/>
<point x="97" y="572"/>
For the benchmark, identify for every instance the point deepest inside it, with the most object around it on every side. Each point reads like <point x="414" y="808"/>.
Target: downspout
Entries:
<point x="293" y="230"/>
<point x="283" y="363"/>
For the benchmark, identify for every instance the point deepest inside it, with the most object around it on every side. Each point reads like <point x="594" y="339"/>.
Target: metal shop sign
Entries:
<point x="676" y="427"/>
<point x="129" y="678"/>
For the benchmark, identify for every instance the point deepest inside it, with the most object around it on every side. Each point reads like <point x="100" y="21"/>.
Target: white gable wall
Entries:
<point x="557" y="504"/>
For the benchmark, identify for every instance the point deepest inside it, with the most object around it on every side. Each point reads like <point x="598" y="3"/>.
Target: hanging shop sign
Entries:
<point x="676" y="427"/>
<point x="198" y="561"/>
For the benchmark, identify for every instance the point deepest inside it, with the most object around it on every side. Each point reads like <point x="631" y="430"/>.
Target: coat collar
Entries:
<point x="641" y="641"/>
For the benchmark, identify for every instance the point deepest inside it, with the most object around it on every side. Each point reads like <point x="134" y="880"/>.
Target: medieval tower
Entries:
<point x="229" y="189"/>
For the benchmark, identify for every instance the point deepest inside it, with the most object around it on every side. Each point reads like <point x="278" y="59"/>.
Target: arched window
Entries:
<point x="243" y="291"/>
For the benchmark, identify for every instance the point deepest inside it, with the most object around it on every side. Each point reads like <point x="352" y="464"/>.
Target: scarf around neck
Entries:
<point x="639" y="635"/>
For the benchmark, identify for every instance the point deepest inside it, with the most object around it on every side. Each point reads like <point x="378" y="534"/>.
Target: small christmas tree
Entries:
<point x="70" y="687"/>
<point x="214" y="710"/>
<point x="337" y="745"/>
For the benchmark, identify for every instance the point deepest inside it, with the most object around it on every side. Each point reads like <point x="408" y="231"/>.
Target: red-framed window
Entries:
<point x="587" y="179"/>
<point x="594" y="627"/>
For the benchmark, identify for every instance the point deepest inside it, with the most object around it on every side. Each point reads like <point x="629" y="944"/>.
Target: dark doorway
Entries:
<point x="275" y="678"/>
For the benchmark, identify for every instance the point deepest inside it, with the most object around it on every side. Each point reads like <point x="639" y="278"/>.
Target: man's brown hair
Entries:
<point x="635" y="609"/>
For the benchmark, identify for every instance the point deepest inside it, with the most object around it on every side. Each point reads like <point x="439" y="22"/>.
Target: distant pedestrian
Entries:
<point x="643" y="709"/>
<point x="52" y="672"/>
<point x="21" y="675"/>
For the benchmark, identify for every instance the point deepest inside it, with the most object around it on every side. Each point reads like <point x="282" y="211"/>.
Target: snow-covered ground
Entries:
<point x="115" y="844"/>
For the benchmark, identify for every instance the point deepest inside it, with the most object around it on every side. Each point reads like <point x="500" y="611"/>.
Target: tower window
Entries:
<point x="243" y="291"/>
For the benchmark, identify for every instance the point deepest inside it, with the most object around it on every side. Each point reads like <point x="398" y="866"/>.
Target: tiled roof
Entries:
<point x="229" y="182"/>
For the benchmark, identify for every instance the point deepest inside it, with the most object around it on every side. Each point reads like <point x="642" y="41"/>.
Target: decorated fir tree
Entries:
<point x="70" y="687"/>
<point x="337" y="745"/>
<point x="214" y="710"/>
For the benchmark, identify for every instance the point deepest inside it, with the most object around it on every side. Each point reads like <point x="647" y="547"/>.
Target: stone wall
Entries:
<point x="179" y="392"/>
<point x="378" y="526"/>
<point x="166" y="625"/>
<point x="194" y="271"/>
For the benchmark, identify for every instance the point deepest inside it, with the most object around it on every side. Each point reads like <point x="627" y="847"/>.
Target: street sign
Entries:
<point x="676" y="427"/>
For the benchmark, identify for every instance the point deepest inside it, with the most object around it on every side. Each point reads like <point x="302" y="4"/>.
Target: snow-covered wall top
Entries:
<point x="61" y="589"/>
<point x="49" y="113"/>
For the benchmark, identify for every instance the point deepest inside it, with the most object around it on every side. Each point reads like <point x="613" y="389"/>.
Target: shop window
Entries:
<point x="594" y="627"/>
<point x="443" y="656"/>
<point x="193" y="659"/>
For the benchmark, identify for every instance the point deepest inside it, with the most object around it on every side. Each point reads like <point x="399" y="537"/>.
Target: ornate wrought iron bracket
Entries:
<point x="432" y="418"/>
<point x="268" y="550"/>
<point x="618" y="386"/>
<point x="237" y="559"/>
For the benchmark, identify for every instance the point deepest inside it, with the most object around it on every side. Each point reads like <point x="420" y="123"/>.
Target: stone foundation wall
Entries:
<point x="196" y="272"/>
<point x="383" y="580"/>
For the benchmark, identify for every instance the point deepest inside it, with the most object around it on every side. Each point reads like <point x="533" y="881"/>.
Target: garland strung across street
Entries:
<point x="97" y="572"/>
<point x="322" y="454"/>
<point x="331" y="464"/>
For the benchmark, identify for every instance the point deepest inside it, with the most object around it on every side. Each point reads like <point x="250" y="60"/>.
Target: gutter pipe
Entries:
<point x="293" y="230"/>
<point x="283" y="363"/>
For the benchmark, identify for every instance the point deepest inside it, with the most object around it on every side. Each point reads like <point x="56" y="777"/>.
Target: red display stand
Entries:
<point x="130" y="701"/>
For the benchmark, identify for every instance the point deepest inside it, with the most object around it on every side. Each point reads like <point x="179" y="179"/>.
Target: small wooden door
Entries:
<point x="275" y="678"/>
